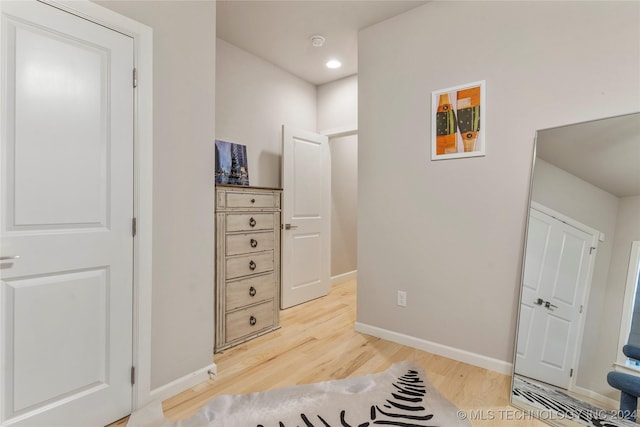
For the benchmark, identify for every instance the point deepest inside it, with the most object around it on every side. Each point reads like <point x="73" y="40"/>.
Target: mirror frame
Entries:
<point x="549" y="418"/>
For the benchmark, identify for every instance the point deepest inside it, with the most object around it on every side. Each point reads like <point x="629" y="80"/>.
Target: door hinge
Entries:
<point x="133" y="375"/>
<point x="580" y="310"/>
<point x="135" y="77"/>
<point x="591" y="249"/>
<point x="571" y="372"/>
<point x="134" y="227"/>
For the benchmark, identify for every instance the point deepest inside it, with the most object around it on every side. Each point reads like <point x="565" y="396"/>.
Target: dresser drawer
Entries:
<point x="249" y="264"/>
<point x="249" y="320"/>
<point x="249" y="291"/>
<point x="247" y="243"/>
<point x="250" y="222"/>
<point x="251" y="200"/>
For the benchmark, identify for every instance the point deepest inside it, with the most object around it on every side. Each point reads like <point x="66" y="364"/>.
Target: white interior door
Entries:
<point x="306" y="238"/>
<point x="557" y="271"/>
<point x="67" y="206"/>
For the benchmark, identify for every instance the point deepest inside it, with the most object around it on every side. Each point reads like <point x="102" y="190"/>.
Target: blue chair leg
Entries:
<point x="629" y="386"/>
<point x="628" y="406"/>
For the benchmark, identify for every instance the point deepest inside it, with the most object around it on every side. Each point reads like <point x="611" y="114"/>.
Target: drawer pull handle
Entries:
<point x="252" y="265"/>
<point x="252" y="291"/>
<point x="252" y="321"/>
<point x="254" y="243"/>
<point x="252" y="222"/>
<point x="253" y="200"/>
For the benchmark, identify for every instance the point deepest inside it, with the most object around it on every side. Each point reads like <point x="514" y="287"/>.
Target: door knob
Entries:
<point x="539" y="301"/>
<point x="9" y="258"/>
<point x="550" y="306"/>
<point x="290" y="227"/>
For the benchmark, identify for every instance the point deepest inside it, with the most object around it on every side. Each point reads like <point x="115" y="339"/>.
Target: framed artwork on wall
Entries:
<point x="231" y="163"/>
<point x="458" y="117"/>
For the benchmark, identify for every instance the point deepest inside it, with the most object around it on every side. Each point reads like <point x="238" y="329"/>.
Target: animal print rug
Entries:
<point x="399" y="396"/>
<point x="565" y="407"/>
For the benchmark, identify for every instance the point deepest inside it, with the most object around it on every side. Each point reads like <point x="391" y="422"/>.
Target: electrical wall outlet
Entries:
<point x="402" y="298"/>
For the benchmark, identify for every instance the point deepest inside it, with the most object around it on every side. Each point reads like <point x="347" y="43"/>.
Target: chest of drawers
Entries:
<point x="247" y="263"/>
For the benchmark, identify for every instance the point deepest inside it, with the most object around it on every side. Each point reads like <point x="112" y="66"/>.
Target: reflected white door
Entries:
<point x="67" y="206"/>
<point x="306" y="238"/>
<point x="557" y="271"/>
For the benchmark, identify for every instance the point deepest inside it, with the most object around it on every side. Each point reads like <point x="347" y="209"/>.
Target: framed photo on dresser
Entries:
<point x="231" y="163"/>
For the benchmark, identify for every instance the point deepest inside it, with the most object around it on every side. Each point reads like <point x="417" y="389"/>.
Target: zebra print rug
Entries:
<point x="564" y="407"/>
<point x="399" y="396"/>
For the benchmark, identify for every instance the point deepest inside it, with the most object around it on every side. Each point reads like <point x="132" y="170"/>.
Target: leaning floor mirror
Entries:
<point x="580" y="297"/>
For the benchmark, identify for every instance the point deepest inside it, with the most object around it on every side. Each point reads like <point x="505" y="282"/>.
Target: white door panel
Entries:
<point x="554" y="345"/>
<point x="54" y="298"/>
<point x="571" y="268"/>
<point x="524" y="330"/>
<point x="51" y="71"/>
<point x="557" y="267"/>
<point x="537" y="240"/>
<point x="307" y="179"/>
<point x="306" y="245"/>
<point x="67" y="204"/>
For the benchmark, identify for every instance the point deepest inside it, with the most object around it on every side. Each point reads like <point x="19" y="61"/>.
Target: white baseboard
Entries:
<point x="344" y="277"/>
<point x="475" y="359"/>
<point x="596" y="396"/>
<point x="181" y="384"/>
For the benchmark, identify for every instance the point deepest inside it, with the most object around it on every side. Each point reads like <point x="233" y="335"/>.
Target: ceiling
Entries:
<point x="605" y="153"/>
<point x="280" y="31"/>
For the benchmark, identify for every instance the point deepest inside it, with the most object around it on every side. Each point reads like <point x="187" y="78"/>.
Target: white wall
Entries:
<point x="254" y="98"/>
<point x="450" y="233"/>
<point x="338" y="105"/>
<point x="183" y="130"/>
<point x="598" y="209"/>
<point x="344" y="204"/>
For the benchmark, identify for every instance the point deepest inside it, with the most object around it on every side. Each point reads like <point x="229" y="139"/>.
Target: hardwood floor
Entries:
<point x="317" y="342"/>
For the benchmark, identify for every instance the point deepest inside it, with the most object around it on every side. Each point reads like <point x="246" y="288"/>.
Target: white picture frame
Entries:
<point x="458" y="118"/>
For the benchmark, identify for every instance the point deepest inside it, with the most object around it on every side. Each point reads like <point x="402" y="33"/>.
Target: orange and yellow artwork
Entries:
<point x="457" y="129"/>
<point x="447" y="126"/>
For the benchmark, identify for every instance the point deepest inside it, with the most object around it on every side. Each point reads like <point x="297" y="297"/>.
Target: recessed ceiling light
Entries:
<point x="334" y="63"/>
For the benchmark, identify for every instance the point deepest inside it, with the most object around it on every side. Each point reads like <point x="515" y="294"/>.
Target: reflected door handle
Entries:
<point x="9" y="258"/>
<point x="550" y="306"/>
<point x="539" y="301"/>
<point x="290" y="227"/>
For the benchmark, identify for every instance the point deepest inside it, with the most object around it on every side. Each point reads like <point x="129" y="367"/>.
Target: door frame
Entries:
<point x="348" y="130"/>
<point x="597" y="237"/>
<point x="142" y="36"/>
<point x="340" y="131"/>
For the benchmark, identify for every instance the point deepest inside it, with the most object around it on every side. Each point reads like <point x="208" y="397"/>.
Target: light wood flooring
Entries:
<point x="317" y="342"/>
